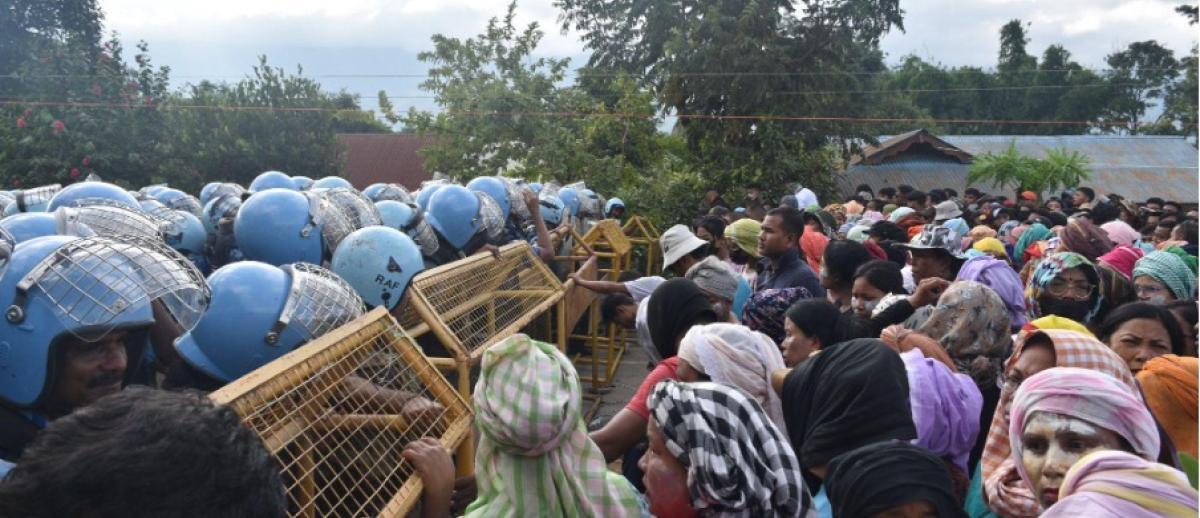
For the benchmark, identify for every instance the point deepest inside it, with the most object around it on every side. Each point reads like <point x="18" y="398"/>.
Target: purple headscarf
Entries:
<point x="945" y="407"/>
<point x="1003" y="280"/>
<point x="766" y="310"/>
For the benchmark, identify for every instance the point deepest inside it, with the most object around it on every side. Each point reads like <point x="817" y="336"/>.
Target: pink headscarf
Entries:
<point x="1121" y="233"/>
<point x="813" y="244"/>
<point x="1115" y="483"/>
<point x="1122" y="259"/>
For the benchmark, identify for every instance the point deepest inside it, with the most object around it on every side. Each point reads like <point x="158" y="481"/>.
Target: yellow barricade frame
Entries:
<point x="642" y="233"/>
<point x="334" y="413"/>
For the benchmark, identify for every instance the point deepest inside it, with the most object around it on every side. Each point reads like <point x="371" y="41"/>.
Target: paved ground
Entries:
<point x="628" y="377"/>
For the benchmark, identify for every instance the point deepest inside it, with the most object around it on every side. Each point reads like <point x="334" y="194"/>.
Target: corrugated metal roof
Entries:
<point x="1137" y="167"/>
<point x="384" y="158"/>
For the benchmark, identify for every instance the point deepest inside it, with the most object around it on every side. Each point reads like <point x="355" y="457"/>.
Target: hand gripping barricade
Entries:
<point x="611" y="250"/>
<point x="338" y="412"/>
<point x="644" y="237"/>
<point x="357" y="207"/>
<point x="61" y="286"/>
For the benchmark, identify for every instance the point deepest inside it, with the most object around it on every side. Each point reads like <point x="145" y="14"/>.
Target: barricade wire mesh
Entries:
<point x="338" y="412"/>
<point x="480" y="300"/>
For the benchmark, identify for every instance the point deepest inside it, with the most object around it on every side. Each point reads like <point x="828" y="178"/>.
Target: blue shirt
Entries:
<point x="740" y="297"/>
<point x="790" y="273"/>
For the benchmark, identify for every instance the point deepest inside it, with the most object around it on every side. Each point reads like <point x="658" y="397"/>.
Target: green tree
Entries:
<point x="504" y="111"/>
<point x="713" y="63"/>
<point x="1010" y="169"/>
<point x="1139" y="74"/>
<point x="1180" y="104"/>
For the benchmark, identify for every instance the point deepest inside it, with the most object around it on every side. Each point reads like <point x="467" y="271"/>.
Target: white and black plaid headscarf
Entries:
<point x="738" y="462"/>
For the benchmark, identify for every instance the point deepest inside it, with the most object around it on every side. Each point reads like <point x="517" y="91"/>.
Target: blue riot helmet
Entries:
<point x="379" y="262"/>
<point x="218" y="208"/>
<point x="331" y="182"/>
<point x="427" y="193"/>
<point x="23" y="227"/>
<point x="221" y="189"/>
<point x="260" y="312"/>
<point x="179" y="200"/>
<point x="183" y="232"/>
<point x="552" y="209"/>
<point x="388" y="191"/>
<point x="356" y="206"/>
<point x="453" y="212"/>
<point x="62" y="289"/>
<point x="34" y="200"/>
<point x="613" y="204"/>
<point x="84" y="192"/>
<point x="206" y="192"/>
<point x="271" y="180"/>
<point x="151" y="206"/>
<point x="535" y="187"/>
<point x="151" y="190"/>
<point x="279" y="226"/>
<point x="7" y="199"/>
<point x="570" y="199"/>
<point x="590" y="206"/>
<point x="407" y="218"/>
<point x="495" y="188"/>
<point x="303" y="183"/>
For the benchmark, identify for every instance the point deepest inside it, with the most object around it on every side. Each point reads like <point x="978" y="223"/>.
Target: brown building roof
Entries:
<point x="384" y="158"/>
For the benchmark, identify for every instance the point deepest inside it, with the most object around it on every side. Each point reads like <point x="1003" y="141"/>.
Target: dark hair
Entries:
<point x="904" y="188"/>
<point x="791" y="220"/>
<point x="1104" y="212"/>
<point x="937" y="196"/>
<point x="887" y="231"/>
<point x="1155" y="199"/>
<point x="1087" y="191"/>
<point x="1147" y="230"/>
<point x="820" y="318"/>
<point x="973" y="192"/>
<point x="917" y="196"/>
<point x="887" y="192"/>
<point x="1136" y="310"/>
<point x="718" y="211"/>
<point x="875" y="204"/>
<point x="895" y="253"/>
<point x="146" y="452"/>
<point x="714" y="225"/>
<point x="863" y="187"/>
<point x="1057" y="219"/>
<point x="884" y="275"/>
<point x="1189" y="229"/>
<point x="1175" y="204"/>
<point x="842" y="259"/>
<point x="950" y="193"/>
<point x="1186" y="308"/>
<point x="1168" y="223"/>
<point x="613" y="302"/>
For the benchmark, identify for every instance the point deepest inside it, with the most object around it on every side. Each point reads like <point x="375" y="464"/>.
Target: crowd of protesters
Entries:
<point x="896" y="354"/>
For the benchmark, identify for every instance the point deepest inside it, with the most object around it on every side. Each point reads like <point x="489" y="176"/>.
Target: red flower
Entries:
<point x="20" y="122"/>
<point x="59" y="127"/>
<point x="74" y="172"/>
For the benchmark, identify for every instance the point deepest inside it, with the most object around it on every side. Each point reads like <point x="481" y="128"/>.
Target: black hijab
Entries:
<point x="673" y="308"/>
<point x="880" y="476"/>
<point x="850" y="395"/>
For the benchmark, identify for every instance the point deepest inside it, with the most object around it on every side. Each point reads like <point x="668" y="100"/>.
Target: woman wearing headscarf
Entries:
<point x="765" y="310"/>
<point x="1120" y="233"/>
<point x="733" y="355"/>
<point x="1116" y="484"/>
<point x="1169" y="384"/>
<point x="743" y="252"/>
<point x="981" y="232"/>
<point x="1084" y="238"/>
<point x="891" y="478"/>
<point x="1162" y="277"/>
<point x="1122" y="260"/>
<point x="1036" y="232"/>
<point x="1065" y="284"/>
<point x="813" y="242"/>
<point x="900" y="213"/>
<point x="1033" y="352"/>
<point x="673" y="308"/>
<point x="813" y="324"/>
<point x="1001" y="278"/>
<point x="1063" y="413"/>
<point x="534" y="455"/>
<point x="852" y="394"/>
<point x="714" y="452"/>
<point x="946" y="408"/>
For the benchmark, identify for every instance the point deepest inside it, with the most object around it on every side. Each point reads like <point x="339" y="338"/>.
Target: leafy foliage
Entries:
<point x="1010" y="169"/>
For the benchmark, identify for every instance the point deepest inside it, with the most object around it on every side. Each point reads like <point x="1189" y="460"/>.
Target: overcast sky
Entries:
<point x="220" y="39"/>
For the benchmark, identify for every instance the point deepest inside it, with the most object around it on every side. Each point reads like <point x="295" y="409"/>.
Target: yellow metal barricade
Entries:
<point x="644" y="237"/>
<point x="337" y="412"/>
<point x="611" y="249"/>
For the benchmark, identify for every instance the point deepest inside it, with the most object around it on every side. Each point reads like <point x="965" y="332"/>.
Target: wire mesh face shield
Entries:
<point x="421" y="232"/>
<point x="110" y="220"/>
<point x="319" y="301"/>
<point x="103" y="202"/>
<point x="491" y="218"/>
<point x="187" y="204"/>
<point x="223" y="189"/>
<point x="516" y="200"/>
<point x="325" y="217"/>
<point x="36" y="199"/>
<point x="359" y="209"/>
<point x="91" y="284"/>
<point x="394" y="192"/>
<point x="225" y="206"/>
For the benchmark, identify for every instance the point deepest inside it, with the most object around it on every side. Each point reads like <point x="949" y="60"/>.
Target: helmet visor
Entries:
<point x="113" y="221"/>
<point x="318" y="302"/>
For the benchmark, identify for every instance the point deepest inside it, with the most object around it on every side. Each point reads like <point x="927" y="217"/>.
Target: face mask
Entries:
<point x="1076" y="310"/>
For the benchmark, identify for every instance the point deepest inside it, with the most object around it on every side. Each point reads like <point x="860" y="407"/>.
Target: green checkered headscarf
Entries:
<point x="1170" y="270"/>
<point x="534" y="457"/>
